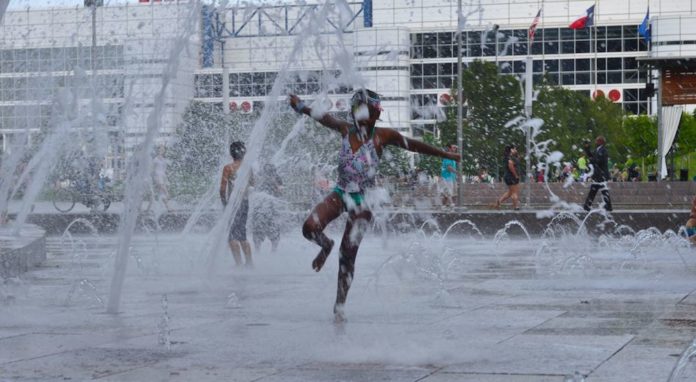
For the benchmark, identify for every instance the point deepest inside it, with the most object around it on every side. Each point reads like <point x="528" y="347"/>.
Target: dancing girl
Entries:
<point x="358" y="159"/>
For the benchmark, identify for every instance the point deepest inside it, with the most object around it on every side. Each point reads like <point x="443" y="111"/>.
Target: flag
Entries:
<point x="585" y="21"/>
<point x="532" y="28"/>
<point x="644" y="27"/>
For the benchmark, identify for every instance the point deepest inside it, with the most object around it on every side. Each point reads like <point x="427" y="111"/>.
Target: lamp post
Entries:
<point x="460" y="140"/>
<point x="93" y="4"/>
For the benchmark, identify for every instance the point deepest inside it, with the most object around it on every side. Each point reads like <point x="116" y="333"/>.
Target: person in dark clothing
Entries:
<point x="633" y="173"/>
<point x="599" y="162"/>
<point x="511" y="177"/>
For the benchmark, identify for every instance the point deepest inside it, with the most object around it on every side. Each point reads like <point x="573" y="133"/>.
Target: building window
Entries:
<point x="582" y="78"/>
<point x="260" y="84"/>
<point x="208" y="85"/>
<point x="423" y="106"/>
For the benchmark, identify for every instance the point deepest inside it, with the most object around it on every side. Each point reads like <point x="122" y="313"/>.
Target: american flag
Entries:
<point x="532" y="28"/>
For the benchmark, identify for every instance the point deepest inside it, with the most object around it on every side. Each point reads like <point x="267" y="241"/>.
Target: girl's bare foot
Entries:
<point x="339" y="314"/>
<point x="319" y="261"/>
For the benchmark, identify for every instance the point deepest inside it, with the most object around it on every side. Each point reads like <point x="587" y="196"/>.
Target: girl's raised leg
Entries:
<point x="322" y="214"/>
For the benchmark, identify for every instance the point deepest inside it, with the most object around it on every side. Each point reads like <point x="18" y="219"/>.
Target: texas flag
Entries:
<point x="585" y="21"/>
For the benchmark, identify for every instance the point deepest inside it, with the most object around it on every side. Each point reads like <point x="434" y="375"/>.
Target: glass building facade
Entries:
<point x="53" y="65"/>
<point x="561" y="55"/>
<point x="603" y="58"/>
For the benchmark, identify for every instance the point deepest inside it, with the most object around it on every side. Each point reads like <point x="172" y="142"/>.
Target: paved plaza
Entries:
<point x="422" y="308"/>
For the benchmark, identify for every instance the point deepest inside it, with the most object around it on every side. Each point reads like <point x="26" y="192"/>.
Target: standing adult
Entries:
<point x="511" y="164"/>
<point x="599" y="168"/>
<point x="362" y="145"/>
<point x="237" y="237"/>
<point x="448" y="177"/>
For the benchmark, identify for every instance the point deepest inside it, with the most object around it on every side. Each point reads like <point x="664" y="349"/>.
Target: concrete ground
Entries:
<point x="421" y="308"/>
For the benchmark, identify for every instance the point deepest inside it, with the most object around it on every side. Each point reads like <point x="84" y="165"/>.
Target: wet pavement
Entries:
<point x="422" y="308"/>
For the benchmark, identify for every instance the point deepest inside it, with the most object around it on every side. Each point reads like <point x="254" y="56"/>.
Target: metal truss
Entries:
<point x="279" y="20"/>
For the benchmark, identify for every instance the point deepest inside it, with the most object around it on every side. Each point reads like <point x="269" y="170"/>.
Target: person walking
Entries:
<point x="362" y="145"/>
<point x="237" y="237"/>
<point x="511" y="164"/>
<point x="599" y="168"/>
<point x="448" y="178"/>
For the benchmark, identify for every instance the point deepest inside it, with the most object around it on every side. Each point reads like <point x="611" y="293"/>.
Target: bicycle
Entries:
<point x="68" y="193"/>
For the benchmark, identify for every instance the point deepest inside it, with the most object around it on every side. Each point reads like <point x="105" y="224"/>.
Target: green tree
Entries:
<point x="607" y="119"/>
<point x="493" y="101"/>
<point x="640" y="136"/>
<point x="564" y="113"/>
<point x="430" y="164"/>
<point x="640" y="140"/>
<point x="685" y="141"/>
<point x="395" y="162"/>
<point x="571" y="118"/>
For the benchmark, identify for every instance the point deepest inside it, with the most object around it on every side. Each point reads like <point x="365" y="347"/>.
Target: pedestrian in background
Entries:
<point x="448" y="177"/>
<point x="599" y="162"/>
<point x="511" y="164"/>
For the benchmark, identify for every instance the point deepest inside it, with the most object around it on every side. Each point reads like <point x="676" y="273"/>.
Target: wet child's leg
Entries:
<point x="236" y="252"/>
<point x="238" y="236"/>
<point x="323" y="214"/>
<point x="356" y="227"/>
<point x="246" y="248"/>
<point x="258" y="240"/>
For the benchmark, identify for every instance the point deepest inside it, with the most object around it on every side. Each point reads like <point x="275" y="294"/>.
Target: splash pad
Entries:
<point x="423" y="304"/>
<point x="437" y="296"/>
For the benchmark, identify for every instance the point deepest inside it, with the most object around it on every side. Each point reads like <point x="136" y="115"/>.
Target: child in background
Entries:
<point x="691" y="223"/>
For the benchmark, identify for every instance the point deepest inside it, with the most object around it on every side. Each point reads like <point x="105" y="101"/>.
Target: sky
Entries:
<point x="22" y="4"/>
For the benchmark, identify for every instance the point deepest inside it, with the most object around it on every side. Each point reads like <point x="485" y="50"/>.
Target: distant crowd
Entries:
<point x="579" y="171"/>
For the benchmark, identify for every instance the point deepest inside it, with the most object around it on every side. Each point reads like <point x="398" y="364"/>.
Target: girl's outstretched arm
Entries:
<point x="393" y="137"/>
<point x="327" y="119"/>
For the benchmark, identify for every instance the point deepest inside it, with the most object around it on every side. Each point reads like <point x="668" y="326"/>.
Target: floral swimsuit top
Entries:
<point x="357" y="170"/>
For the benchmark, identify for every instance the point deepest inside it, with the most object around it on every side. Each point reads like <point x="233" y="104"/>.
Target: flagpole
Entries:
<point x="528" y="112"/>
<point x="594" y="24"/>
<point x="528" y="83"/>
<point x="543" y="38"/>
